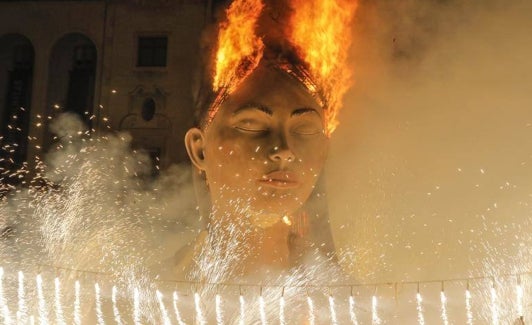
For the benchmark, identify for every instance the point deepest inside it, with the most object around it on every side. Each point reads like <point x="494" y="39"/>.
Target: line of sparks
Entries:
<point x="22" y="308"/>
<point x="175" y="298"/>
<point x="494" y="307"/>
<point x="242" y="310"/>
<point x="311" y="316"/>
<point x="332" y="311"/>
<point x="3" y="301"/>
<point x="116" y="312"/>
<point x="199" y="314"/>
<point x="443" y="301"/>
<point x="43" y="314"/>
<point x="162" y="308"/>
<point x="262" y="310"/>
<point x="60" y="318"/>
<point x="219" y="311"/>
<point x="419" y="307"/>
<point x="77" y="303"/>
<point x="352" y="313"/>
<point x="282" y="320"/>
<point x="375" y="320"/>
<point x="136" y="306"/>
<point x="99" y="313"/>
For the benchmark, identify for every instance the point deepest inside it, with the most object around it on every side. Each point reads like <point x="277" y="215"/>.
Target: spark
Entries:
<point x="494" y="307"/>
<point x="3" y="301"/>
<point x="162" y="308"/>
<point x="77" y="304"/>
<point x="136" y="306"/>
<point x="443" y="301"/>
<point x="282" y="320"/>
<point x="43" y="314"/>
<point x="219" y="311"/>
<point x="199" y="313"/>
<point x="242" y="310"/>
<point x="469" y="313"/>
<point x="311" y="316"/>
<point x="262" y="310"/>
<point x="22" y="309"/>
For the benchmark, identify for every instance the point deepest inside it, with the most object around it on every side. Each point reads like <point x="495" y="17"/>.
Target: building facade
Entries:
<point x="124" y="65"/>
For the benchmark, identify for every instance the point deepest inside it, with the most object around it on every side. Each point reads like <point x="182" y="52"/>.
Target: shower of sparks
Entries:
<point x="43" y="314"/>
<point x="22" y="308"/>
<point x="242" y="310"/>
<point x="443" y="302"/>
<point x="219" y="311"/>
<point x="469" y="312"/>
<point x="419" y="308"/>
<point x="77" y="303"/>
<point x="162" y="308"/>
<point x="59" y="316"/>
<point x="3" y="301"/>
<point x="116" y="312"/>
<point x="494" y="307"/>
<point x="332" y="311"/>
<point x="282" y="320"/>
<point x="175" y="298"/>
<point x="375" y="320"/>
<point x="199" y="313"/>
<point x="136" y="306"/>
<point x="352" y="313"/>
<point x="262" y="310"/>
<point x="98" y="298"/>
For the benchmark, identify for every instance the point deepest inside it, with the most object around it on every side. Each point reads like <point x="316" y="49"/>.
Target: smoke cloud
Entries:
<point x="430" y="168"/>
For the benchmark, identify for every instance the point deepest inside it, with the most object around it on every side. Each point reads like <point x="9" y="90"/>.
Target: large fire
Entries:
<point x="321" y="31"/>
<point x="239" y="49"/>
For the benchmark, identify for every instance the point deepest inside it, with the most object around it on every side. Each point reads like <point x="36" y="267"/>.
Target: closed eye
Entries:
<point x="251" y="126"/>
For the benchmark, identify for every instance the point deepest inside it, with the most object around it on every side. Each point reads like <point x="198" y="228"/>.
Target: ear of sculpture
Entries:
<point x="194" y="142"/>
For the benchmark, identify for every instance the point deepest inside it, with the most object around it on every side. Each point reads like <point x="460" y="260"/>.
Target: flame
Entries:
<point x="239" y="49"/>
<point x="320" y="29"/>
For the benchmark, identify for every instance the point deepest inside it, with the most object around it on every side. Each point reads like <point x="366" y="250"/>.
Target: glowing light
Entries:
<point x="311" y="316"/>
<point x="443" y="301"/>
<point x="43" y="313"/>
<point x="469" y="313"/>
<point x="22" y="308"/>
<point x="136" y="306"/>
<point x="352" y="313"/>
<point x="57" y="302"/>
<point x="116" y="312"/>
<point x="3" y="301"/>
<point x="419" y="308"/>
<point x="162" y="308"/>
<point x="519" y="300"/>
<point x="332" y="310"/>
<point x="219" y="311"/>
<point x="494" y="307"/>
<point x="242" y="310"/>
<point x="77" y="303"/>
<point x="282" y="320"/>
<point x="197" y="306"/>
<point x="99" y="314"/>
<point x="176" y="310"/>
<point x="262" y="310"/>
<point x="375" y="320"/>
<point x="113" y="91"/>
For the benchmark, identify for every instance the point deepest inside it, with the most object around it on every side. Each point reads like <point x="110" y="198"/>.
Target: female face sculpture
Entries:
<point x="265" y="148"/>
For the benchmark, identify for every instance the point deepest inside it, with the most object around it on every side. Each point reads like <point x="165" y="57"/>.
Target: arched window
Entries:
<point x="148" y="109"/>
<point x="16" y="78"/>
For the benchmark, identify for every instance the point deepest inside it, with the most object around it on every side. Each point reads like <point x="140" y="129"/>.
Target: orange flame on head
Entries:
<point x="239" y="49"/>
<point x="320" y="29"/>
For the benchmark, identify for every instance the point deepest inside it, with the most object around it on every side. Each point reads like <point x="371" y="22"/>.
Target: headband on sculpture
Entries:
<point x="307" y="39"/>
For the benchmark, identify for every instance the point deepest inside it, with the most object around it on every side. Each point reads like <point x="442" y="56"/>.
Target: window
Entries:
<point x="152" y="51"/>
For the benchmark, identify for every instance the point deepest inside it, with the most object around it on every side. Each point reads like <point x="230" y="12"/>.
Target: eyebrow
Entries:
<point x="304" y="110"/>
<point x="254" y="106"/>
<point x="268" y="111"/>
